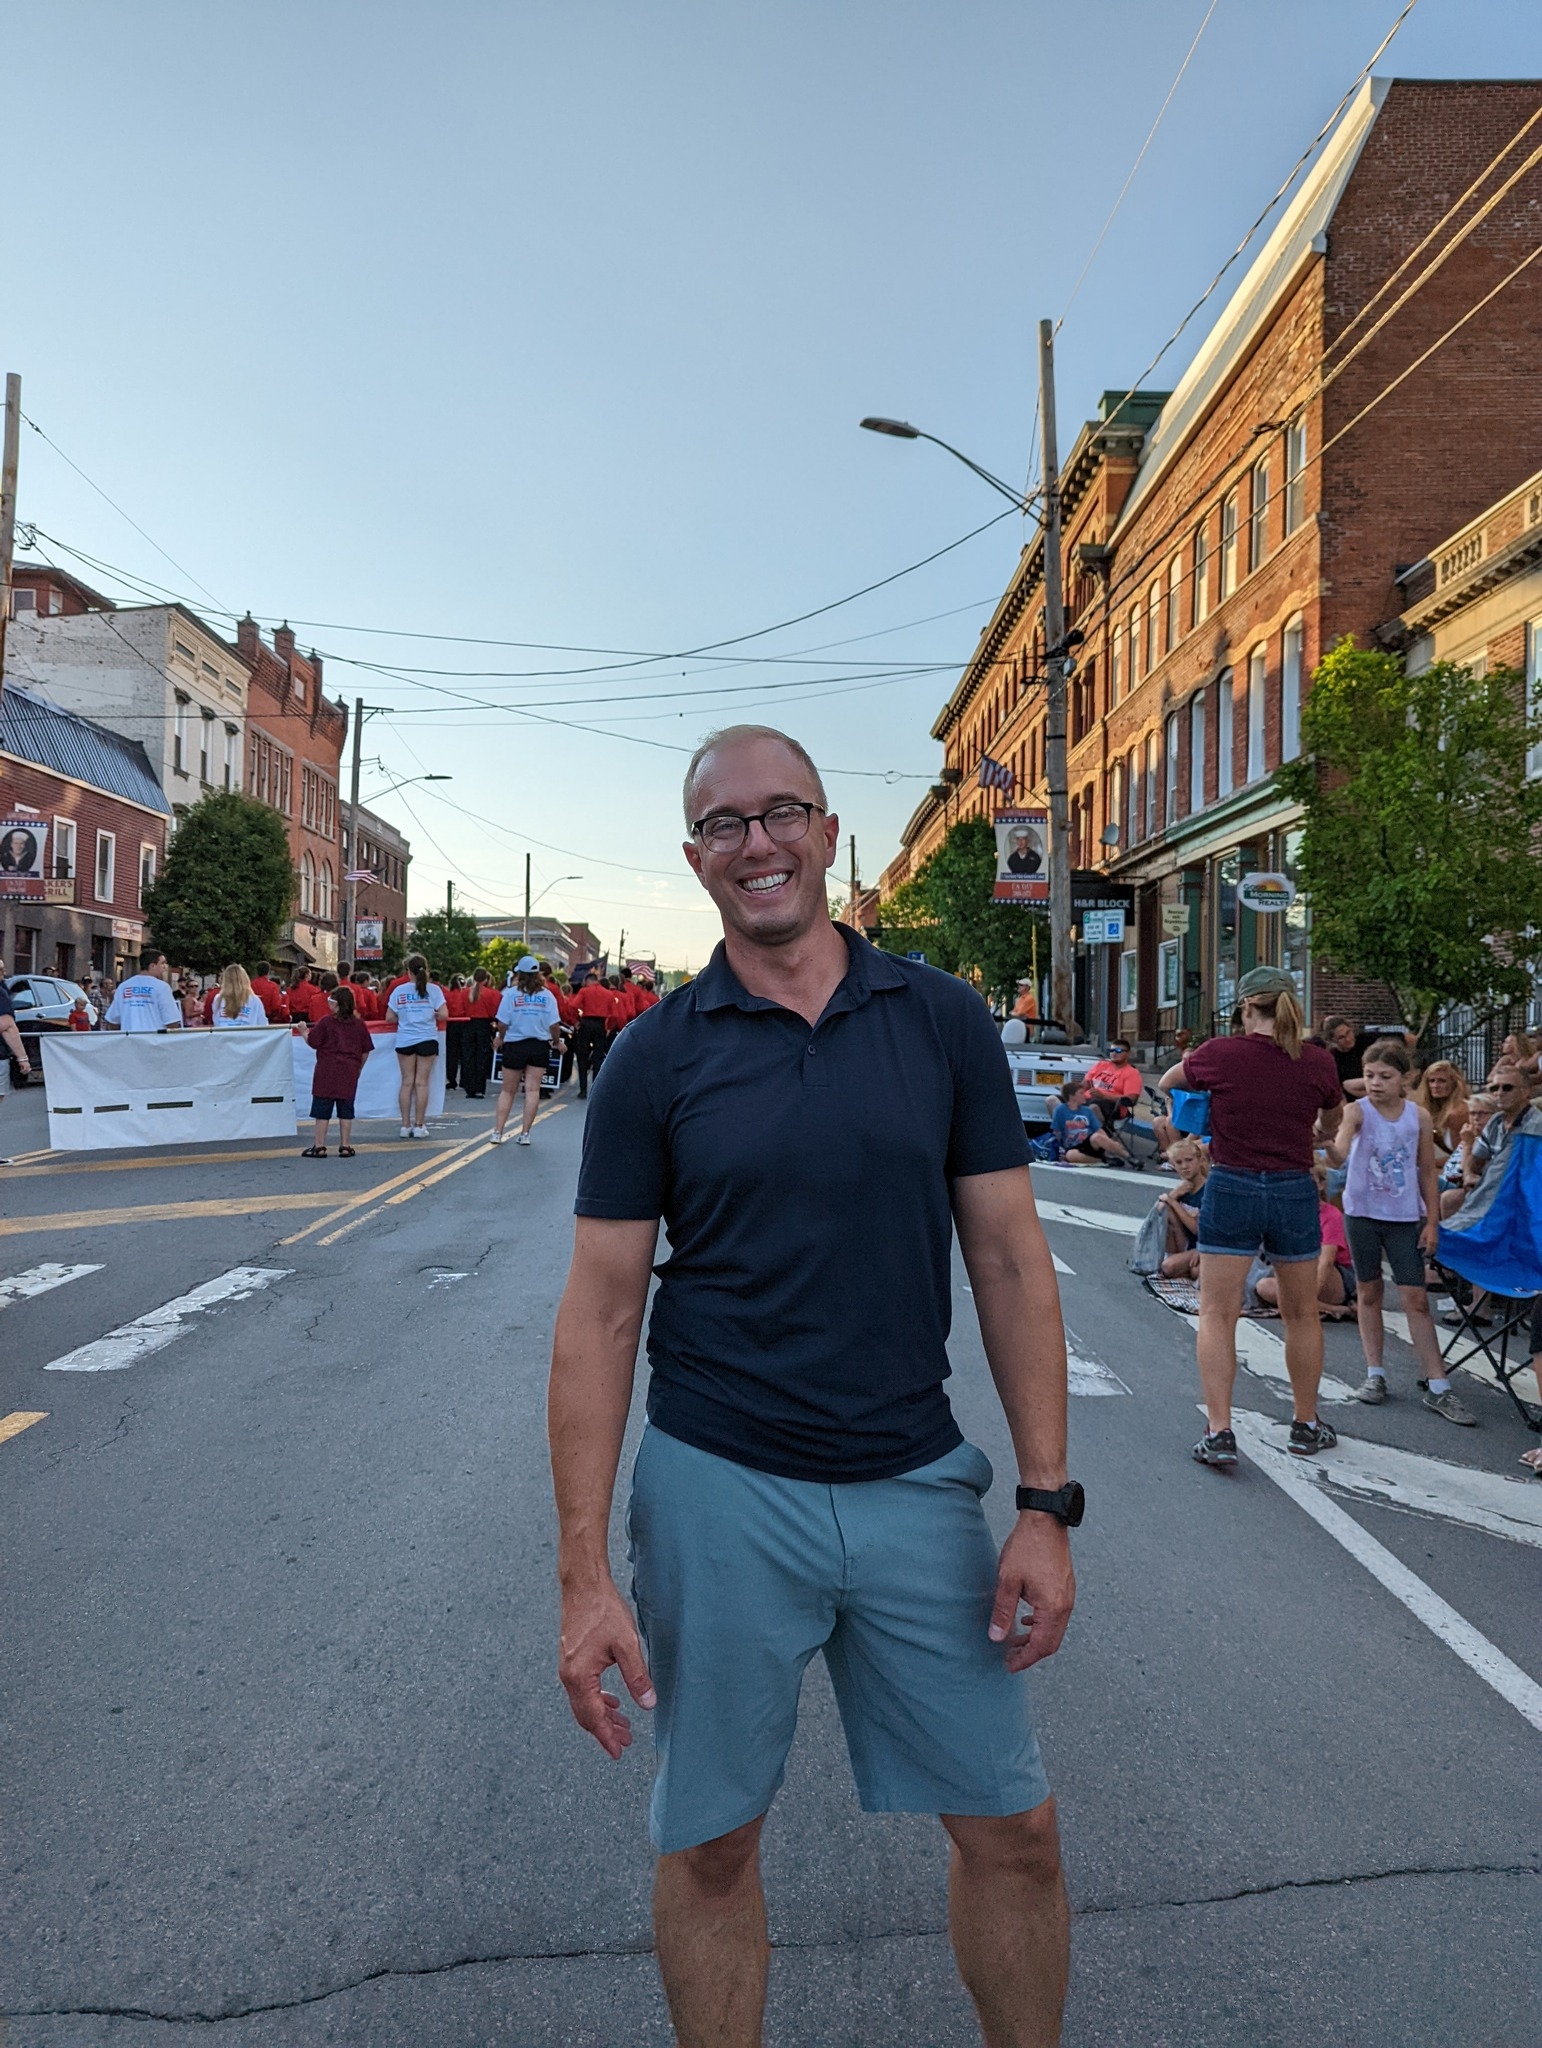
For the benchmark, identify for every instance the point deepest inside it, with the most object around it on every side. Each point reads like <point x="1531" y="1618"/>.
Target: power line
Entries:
<point x="1140" y="159"/>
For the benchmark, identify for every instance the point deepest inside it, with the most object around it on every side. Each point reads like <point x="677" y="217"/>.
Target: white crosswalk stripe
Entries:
<point x="1087" y="1375"/>
<point x="1089" y="1219"/>
<point x="39" y="1280"/>
<point x="129" y="1343"/>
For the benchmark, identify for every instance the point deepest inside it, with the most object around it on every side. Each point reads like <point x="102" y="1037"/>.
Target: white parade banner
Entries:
<point x="110" y="1089"/>
<point x="379" y="1083"/>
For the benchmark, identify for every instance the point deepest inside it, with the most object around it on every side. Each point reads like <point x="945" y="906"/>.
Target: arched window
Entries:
<point x="307" y="884"/>
<point x="324" y="904"/>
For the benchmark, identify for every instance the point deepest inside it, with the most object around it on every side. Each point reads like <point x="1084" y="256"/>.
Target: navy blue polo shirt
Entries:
<point x="803" y="1175"/>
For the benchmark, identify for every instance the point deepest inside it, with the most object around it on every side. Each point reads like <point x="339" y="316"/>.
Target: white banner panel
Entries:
<point x="379" y="1083"/>
<point x="108" y="1089"/>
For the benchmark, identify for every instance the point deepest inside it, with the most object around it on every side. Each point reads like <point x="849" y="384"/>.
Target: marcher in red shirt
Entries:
<point x="306" y="999"/>
<point x="477" y="1059"/>
<point x="647" y="994"/>
<point x="457" y="1001"/>
<point x="594" y="1006"/>
<point x="267" y="992"/>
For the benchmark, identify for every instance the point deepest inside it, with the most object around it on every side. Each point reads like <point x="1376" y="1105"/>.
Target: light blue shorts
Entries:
<point x="739" y="1577"/>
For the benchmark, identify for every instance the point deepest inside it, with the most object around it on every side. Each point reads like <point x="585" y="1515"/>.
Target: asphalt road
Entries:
<point x="286" y="1760"/>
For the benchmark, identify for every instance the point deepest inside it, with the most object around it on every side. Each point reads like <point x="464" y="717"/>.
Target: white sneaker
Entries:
<point x="497" y="1137"/>
<point x="421" y="1131"/>
<point x="524" y="1137"/>
<point x="406" y="1131"/>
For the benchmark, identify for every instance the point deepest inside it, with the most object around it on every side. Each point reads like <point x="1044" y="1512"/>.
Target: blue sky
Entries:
<point x="553" y="324"/>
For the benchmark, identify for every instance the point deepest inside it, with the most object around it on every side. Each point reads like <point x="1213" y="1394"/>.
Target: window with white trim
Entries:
<point x="1258" y="674"/>
<point x="1154" y="610"/>
<point x="205" y="746"/>
<point x="1201" y="573"/>
<point x="1153" y="746"/>
<point x="1132" y="831"/>
<point x="1295" y="473"/>
<point x="1223" y="745"/>
<point x="64" y="849"/>
<point x="146" y="869"/>
<point x="307" y="884"/>
<point x="1292" y="648"/>
<point x="106" y="865"/>
<point x="324" y="903"/>
<point x="1134" y="645"/>
<point x="1258" y="522"/>
<point x="1170" y="794"/>
<point x="232" y="757"/>
<point x="1174" y="601"/>
<point x="1229" y="544"/>
<point x="1116" y="667"/>
<point x="1534" y="694"/>
<point x="1128" y="980"/>
<point x="1197" y="753"/>
<point x="179" y="734"/>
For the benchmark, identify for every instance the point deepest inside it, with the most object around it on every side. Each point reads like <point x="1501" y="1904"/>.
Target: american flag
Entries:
<point x="996" y="775"/>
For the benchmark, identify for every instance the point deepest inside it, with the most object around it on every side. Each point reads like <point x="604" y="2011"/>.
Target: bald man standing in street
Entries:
<point x="811" y="1119"/>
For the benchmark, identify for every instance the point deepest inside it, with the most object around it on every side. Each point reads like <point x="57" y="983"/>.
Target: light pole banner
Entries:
<point x="371" y="942"/>
<point x="1022" y="864"/>
<point x="108" y="1089"/>
<point x="23" y="859"/>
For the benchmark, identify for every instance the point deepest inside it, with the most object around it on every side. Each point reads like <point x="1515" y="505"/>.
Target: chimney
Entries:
<point x="315" y="661"/>
<point x="283" y="643"/>
<point x="248" y="639"/>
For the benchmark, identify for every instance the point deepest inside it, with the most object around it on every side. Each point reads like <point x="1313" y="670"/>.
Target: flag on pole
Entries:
<point x="996" y="775"/>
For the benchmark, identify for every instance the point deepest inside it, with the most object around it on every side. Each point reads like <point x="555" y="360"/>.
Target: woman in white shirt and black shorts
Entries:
<point x="417" y="1009"/>
<point x="526" y="1031"/>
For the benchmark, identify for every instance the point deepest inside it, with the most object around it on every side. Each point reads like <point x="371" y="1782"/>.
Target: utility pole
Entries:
<point x="8" y="464"/>
<point x="351" y="935"/>
<point x="527" y="904"/>
<point x="851" y="900"/>
<point x="449" y="906"/>
<point x="1061" y="984"/>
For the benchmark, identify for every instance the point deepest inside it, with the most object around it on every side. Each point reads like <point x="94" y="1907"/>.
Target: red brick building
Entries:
<point x="106" y="817"/>
<point x="294" y="749"/>
<point x="1369" y="387"/>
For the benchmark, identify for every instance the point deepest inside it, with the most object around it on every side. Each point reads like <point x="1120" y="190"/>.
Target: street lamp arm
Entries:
<point x="552" y="885"/>
<point x="901" y="430"/>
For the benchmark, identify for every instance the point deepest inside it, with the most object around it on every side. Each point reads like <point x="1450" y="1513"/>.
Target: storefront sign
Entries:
<point x="369" y="939"/>
<point x="1092" y="891"/>
<point x="1177" y="920"/>
<point x="128" y="928"/>
<point x="1266" y="894"/>
<point x="23" y="852"/>
<point x="1022" y="864"/>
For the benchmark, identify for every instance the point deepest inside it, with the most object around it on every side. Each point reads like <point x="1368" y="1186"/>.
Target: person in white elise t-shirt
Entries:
<point x="144" y="1001"/>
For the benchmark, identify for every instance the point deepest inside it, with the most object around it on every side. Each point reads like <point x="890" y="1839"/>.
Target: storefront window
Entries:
<point x="1296" y="937"/>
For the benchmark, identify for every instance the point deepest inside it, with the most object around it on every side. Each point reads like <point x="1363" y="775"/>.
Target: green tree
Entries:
<point x="393" y="951"/>
<point x="1420" y="855"/>
<point x="449" y="939"/>
<point x="948" y="911"/>
<point x="498" y="957"/>
<point x="227" y="888"/>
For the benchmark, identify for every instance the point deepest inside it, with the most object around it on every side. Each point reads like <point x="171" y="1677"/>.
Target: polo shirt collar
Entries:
<point x="717" y="987"/>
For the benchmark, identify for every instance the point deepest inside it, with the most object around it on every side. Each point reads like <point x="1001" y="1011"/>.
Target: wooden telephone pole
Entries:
<point x="8" y="465"/>
<point x="1061" y="983"/>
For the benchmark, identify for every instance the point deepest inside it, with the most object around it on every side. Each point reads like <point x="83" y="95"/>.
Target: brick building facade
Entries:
<point x="1359" y="396"/>
<point x="106" y="817"/>
<point x="294" y="750"/>
<point x="387" y="854"/>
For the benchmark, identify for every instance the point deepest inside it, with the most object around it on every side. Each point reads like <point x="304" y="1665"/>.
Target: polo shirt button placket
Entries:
<point x="814" y="1077"/>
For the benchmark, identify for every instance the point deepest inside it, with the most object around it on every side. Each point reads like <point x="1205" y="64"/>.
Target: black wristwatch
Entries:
<point x="1067" y="1503"/>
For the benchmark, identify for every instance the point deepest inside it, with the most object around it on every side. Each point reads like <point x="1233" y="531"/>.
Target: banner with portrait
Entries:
<point x="1022" y="857"/>
<point x="23" y="859"/>
<point x="371" y="939"/>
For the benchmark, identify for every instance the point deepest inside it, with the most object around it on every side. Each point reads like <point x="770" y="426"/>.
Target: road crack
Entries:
<point x="629" y="1951"/>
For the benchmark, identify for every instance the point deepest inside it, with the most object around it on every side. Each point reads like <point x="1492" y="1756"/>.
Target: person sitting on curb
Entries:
<point x="1180" y="1203"/>
<point x="1077" y="1139"/>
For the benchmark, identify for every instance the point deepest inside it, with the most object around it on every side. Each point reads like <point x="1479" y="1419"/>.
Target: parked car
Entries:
<point x="1041" y="1067"/>
<point x="43" y="1004"/>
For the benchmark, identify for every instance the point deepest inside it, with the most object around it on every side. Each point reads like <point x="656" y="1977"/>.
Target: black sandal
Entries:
<point x="314" y="1152"/>
<point x="344" y="1152"/>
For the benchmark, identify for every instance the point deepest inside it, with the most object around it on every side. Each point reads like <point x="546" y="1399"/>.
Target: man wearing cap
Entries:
<point x="811" y="1119"/>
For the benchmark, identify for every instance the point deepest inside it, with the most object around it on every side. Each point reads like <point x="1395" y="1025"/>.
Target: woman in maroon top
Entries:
<point x="1272" y="1096"/>
<point x="341" y="1043"/>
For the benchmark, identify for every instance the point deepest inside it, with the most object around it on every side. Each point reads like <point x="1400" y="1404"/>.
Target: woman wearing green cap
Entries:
<point x="1272" y="1098"/>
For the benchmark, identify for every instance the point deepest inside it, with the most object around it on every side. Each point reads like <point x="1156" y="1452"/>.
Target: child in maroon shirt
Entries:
<point x="341" y="1043"/>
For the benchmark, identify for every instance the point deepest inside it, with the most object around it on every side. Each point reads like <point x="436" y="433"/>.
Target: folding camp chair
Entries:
<point x="1498" y="1254"/>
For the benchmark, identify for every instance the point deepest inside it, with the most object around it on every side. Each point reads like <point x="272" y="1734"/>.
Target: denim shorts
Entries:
<point x="740" y="1577"/>
<point x="1241" y="1214"/>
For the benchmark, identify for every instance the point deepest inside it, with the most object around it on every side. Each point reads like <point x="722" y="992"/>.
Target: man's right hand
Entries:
<point x="598" y="1630"/>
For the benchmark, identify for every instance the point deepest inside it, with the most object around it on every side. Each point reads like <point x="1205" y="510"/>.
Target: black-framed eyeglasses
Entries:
<point x="785" y="823"/>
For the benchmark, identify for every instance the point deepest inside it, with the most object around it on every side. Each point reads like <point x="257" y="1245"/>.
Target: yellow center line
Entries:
<point x="417" y="1187"/>
<point x="165" y="1212"/>
<point x="381" y="1188"/>
<point x="20" y="1419"/>
<point x="66" y="1162"/>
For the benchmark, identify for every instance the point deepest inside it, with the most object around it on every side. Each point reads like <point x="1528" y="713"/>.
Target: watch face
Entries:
<point x="1075" y="1499"/>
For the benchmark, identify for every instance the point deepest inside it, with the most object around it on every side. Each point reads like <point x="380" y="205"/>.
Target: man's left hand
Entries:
<point x="1035" y="1571"/>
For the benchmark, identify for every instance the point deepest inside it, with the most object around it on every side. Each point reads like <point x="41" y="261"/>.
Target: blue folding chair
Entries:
<point x="1497" y="1250"/>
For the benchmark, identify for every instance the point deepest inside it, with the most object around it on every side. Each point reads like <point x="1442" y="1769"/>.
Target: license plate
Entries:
<point x="1051" y="1079"/>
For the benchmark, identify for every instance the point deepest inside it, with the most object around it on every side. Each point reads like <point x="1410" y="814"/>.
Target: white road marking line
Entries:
<point x="441" y="1277"/>
<point x="39" y="1279"/>
<point x="161" y="1326"/>
<point x="1062" y="1267"/>
<point x="1438" y="1616"/>
<point x="1089" y="1375"/>
<point x="1261" y="1353"/>
<point x="1090" y="1219"/>
<point x="1407" y="1479"/>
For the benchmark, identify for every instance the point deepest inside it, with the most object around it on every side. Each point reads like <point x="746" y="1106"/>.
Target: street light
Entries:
<point x="902" y="430"/>
<point x="530" y="902"/>
<point x="1056" y="664"/>
<point x="406" y="783"/>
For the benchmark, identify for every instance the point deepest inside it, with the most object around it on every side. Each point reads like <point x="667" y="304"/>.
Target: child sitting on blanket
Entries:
<point x="1190" y="1160"/>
